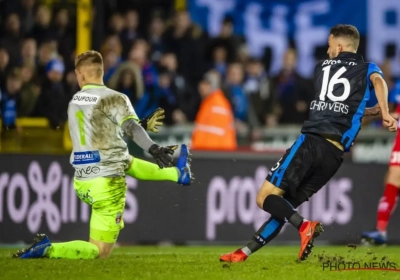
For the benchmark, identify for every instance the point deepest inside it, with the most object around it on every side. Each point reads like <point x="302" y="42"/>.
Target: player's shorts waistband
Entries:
<point x="325" y="140"/>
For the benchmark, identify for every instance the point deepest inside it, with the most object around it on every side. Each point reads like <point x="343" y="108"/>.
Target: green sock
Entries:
<point x="147" y="171"/>
<point x="73" y="250"/>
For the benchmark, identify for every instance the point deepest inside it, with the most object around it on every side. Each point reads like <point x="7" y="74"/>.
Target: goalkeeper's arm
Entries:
<point x="162" y="155"/>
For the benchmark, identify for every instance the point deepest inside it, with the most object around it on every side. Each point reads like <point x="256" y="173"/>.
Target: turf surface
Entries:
<point x="168" y="263"/>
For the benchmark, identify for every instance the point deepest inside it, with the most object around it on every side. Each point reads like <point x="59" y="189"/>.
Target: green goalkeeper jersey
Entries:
<point x="95" y="115"/>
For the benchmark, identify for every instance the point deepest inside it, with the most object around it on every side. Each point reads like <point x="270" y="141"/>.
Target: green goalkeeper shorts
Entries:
<point x="106" y="196"/>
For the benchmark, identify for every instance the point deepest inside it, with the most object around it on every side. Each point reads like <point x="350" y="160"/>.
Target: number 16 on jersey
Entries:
<point x="328" y="85"/>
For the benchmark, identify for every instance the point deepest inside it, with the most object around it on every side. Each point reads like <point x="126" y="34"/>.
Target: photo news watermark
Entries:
<point x="343" y="266"/>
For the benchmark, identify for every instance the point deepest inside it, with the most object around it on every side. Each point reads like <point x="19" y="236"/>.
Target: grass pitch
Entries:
<point x="184" y="263"/>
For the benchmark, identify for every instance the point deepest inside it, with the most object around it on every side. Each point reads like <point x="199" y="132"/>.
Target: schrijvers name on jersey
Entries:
<point x="332" y="106"/>
<point x="84" y="99"/>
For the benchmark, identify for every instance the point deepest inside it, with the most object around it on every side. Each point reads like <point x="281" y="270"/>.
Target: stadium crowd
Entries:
<point x="162" y="67"/>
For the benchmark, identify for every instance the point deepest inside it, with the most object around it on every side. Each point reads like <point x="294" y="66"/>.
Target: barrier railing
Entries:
<point x="35" y="136"/>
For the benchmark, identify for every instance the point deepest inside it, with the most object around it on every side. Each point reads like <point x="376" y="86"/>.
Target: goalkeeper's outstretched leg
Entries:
<point x="147" y="171"/>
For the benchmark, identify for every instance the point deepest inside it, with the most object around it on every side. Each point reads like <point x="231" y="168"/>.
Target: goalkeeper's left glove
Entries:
<point x="153" y="121"/>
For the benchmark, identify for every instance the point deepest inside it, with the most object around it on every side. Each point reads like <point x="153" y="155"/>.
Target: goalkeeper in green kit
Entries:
<point x="98" y="117"/>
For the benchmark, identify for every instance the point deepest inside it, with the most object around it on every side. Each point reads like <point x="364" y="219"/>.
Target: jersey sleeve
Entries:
<point x="372" y="68"/>
<point x="121" y="109"/>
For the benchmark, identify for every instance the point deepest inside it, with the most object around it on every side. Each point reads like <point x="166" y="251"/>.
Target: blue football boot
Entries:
<point x="373" y="237"/>
<point x="36" y="250"/>
<point x="183" y="165"/>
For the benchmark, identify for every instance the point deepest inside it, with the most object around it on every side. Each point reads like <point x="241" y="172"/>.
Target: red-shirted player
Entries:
<point x="388" y="201"/>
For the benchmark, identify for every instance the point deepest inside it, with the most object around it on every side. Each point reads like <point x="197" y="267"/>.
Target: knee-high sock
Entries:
<point x="73" y="250"/>
<point x="386" y="206"/>
<point x="268" y="231"/>
<point x="280" y="208"/>
<point x="147" y="171"/>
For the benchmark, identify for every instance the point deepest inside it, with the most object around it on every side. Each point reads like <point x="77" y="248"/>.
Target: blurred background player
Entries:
<point x="97" y="117"/>
<point x="333" y="125"/>
<point x="388" y="201"/>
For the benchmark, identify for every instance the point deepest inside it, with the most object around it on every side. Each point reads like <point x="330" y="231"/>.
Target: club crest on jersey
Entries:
<point x="84" y="99"/>
<point x="86" y="157"/>
<point x="118" y="218"/>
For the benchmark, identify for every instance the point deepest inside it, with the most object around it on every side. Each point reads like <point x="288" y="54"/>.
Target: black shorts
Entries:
<point x="306" y="167"/>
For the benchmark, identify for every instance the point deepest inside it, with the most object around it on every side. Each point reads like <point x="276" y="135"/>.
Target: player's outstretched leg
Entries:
<point x="268" y="231"/>
<point x="43" y="248"/>
<point x="386" y="206"/>
<point x="269" y="198"/>
<point x="147" y="171"/>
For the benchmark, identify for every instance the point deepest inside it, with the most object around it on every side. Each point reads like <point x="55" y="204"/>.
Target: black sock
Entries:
<point x="268" y="231"/>
<point x="278" y="207"/>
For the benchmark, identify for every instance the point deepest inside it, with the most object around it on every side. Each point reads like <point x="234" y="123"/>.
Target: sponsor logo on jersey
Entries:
<point x="85" y="99"/>
<point x="86" y="157"/>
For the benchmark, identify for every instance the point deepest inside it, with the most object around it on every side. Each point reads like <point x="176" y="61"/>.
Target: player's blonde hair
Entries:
<point x="90" y="58"/>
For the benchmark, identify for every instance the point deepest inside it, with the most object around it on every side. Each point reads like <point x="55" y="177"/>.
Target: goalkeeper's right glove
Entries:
<point x="153" y="121"/>
<point x="162" y="155"/>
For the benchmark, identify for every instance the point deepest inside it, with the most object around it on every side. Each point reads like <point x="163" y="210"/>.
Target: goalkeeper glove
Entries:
<point x="153" y="121"/>
<point x="162" y="155"/>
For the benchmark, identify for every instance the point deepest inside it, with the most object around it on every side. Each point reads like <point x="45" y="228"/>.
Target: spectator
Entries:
<point x="294" y="93"/>
<point x="4" y="67"/>
<point x="235" y="92"/>
<point x="111" y="63"/>
<point x="52" y="98"/>
<point x="134" y="68"/>
<point x="12" y="39"/>
<point x="126" y="84"/>
<point x="42" y="30"/>
<point x="214" y="125"/>
<point x="139" y="55"/>
<point x="47" y="52"/>
<point x="27" y="14"/>
<point x="243" y="54"/>
<point x="149" y="100"/>
<point x="167" y="98"/>
<point x="155" y="39"/>
<point x="71" y="86"/>
<point x="261" y="97"/>
<point x="188" y="100"/>
<point x="11" y="99"/>
<point x="184" y="39"/>
<point x="29" y="52"/>
<point x="112" y="44"/>
<point x="220" y="63"/>
<point x="65" y="35"/>
<point x="129" y="34"/>
<point x="227" y="40"/>
<point x="116" y="24"/>
<point x="111" y="51"/>
<point x="30" y="91"/>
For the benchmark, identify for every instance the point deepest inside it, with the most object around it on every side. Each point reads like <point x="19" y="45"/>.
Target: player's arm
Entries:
<point x="162" y="155"/>
<point x="373" y="111"/>
<point x="381" y="92"/>
<point x="125" y="116"/>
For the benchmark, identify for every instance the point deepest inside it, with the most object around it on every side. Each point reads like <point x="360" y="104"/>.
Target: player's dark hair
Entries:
<point x="346" y="31"/>
<point x="89" y="57"/>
